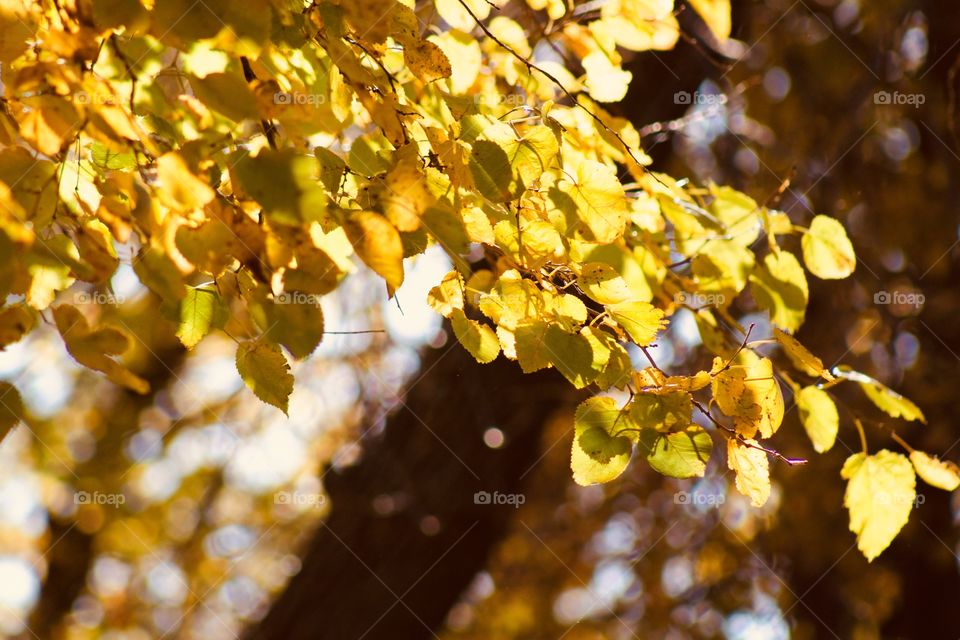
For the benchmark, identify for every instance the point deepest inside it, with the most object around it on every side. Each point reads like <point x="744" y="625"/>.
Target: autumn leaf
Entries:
<point x="827" y="250"/>
<point x="880" y="494"/>
<point x="601" y="449"/>
<point x="266" y="372"/>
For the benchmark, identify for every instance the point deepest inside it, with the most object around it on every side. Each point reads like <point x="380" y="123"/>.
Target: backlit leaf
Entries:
<point x="680" y="454"/>
<point x="265" y="371"/>
<point x="780" y="286"/>
<point x="752" y="468"/>
<point x="827" y="251"/>
<point x="641" y="320"/>
<point x="880" y="494"/>
<point x="601" y="450"/>
<point x="942" y="474"/>
<point x="478" y="339"/>
<point x="818" y="413"/>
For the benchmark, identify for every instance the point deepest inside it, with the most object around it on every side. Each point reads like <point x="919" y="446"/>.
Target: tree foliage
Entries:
<point x="247" y="157"/>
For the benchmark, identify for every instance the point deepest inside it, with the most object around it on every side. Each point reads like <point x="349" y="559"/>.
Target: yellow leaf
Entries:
<point x="378" y="244"/>
<point x="880" y="493"/>
<point x="179" y="188"/>
<point x="478" y="339"/>
<point x="597" y="200"/>
<point x="827" y="251"/>
<point x="640" y="25"/>
<point x="606" y="81"/>
<point x="93" y="348"/>
<point x="716" y="15"/>
<point x="405" y="196"/>
<point x="601" y="451"/>
<point x="891" y="402"/>
<point x="818" y="413"/>
<point x="50" y="122"/>
<point x="752" y="468"/>
<point x="458" y="17"/>
<point x="448" y="295"/>
<point x="641" y="320"/>
<point x="942" y="474"/>
<point x="426" y="60"/>
<point x="780" y="286"/>
<point x="800" y="356"/>
<point x="750" y="394"/>
<point x="466" y="58"/>
<point x="603" y="284"/>
<point x="265" y="371"/>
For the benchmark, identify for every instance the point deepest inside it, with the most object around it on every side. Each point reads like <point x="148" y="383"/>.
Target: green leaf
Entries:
<point x="663" y="412"/>
<point x="818" y="413"/>
<point x="641" y="320"/>
<point x="942" y="474"/>
<point x="265" y="371"/>
<point x="682" y="454"/>
<point x="780" y="286"/>
<point x="200" y="311"/>
<point x="827" y="251"/>
<point x="295" y="320"/>
<point x="286" y="184"/>
<point x="478" y="339"/>
<point x="880" y="493"/>
<point x="104" y="158"/>
<point x="600" y="451"/>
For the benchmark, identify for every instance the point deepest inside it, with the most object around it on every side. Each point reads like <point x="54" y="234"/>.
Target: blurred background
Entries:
<point x="414" y="494"/>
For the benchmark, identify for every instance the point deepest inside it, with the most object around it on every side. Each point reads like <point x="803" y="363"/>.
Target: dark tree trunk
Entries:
<point x="367" y="575"/>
